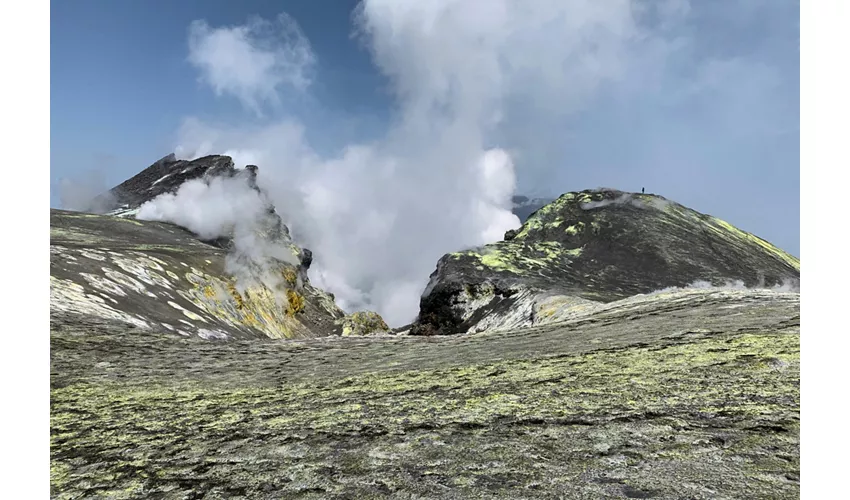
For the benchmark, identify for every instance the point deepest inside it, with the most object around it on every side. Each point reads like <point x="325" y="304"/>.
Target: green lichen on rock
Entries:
<point x="362" y="323"/>
<point x="575" y="228"/>
<point x="604" y="245"/>
<point x="171" y="378"/>
<point x="694" y="402"/>
<point x="517" y="257"/>
<point x="746" y="238"/>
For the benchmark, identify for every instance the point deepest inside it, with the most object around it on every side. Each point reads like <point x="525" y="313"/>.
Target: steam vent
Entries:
<point x="617" y="345"/>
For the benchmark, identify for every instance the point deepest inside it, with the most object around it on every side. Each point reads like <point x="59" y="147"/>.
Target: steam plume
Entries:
<point x="480" y="87"/>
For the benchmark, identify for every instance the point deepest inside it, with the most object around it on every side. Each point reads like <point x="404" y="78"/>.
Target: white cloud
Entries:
<point x="482" y="87"/>
<point x="252" y="62"/>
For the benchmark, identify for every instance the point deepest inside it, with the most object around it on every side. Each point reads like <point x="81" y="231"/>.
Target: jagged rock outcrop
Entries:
<point x="362" y="323"/>
<point x="164" y="176"/>
<point x="589" y="248"/>
<point x="157" y="275"/>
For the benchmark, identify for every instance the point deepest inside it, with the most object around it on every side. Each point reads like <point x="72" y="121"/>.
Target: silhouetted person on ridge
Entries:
<point x="643" y="190"/>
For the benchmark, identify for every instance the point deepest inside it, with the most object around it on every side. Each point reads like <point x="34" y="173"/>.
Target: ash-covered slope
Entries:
<point x="160" y="276"/>
<point x="687" y="394"/>
<point x="588" y="248"/>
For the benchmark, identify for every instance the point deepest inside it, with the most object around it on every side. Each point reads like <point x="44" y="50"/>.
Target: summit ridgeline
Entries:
<point x="589" y="248"/>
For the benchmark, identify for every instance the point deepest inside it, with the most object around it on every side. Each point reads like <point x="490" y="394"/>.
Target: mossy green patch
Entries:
<point x="769" y="248"/>
<point x="149" y="437"/>
<point x="531" y="225"/>
<point x="500" y="261"/>
<point x="575" y="229"/>
<point x="362" y="323"/>
<point x="518" y="257"/>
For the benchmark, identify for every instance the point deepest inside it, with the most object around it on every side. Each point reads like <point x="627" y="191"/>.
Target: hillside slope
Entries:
<point x="158" y="276"/>
<point x="591" y="247"/>
<point x="687" y="394"/>
<point x="590" y="374"/>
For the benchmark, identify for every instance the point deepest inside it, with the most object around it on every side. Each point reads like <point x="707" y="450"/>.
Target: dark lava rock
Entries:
<point x="591" y="247"/>
<point x="165" y="176"/>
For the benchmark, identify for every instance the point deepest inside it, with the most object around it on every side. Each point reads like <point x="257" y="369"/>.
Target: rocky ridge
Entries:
<point x="590" y="373"/>
<point x="159" y="275"/>
<point x="163" y="176"/>
<point x="589" y="248"/>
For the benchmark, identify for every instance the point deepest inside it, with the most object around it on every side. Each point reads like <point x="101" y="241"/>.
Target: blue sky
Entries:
<point x="120" y="82"/>
<point x="702" y="107"/>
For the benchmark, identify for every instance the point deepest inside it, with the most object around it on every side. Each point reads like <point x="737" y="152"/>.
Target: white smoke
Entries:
<point x="252" y="62"/>
<point x="226" y="207"/>
<point x="211" y="209"/>
<point x="87" y="192"/>
<point x="478" y="85"/>
<point x="791" y="285"/>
